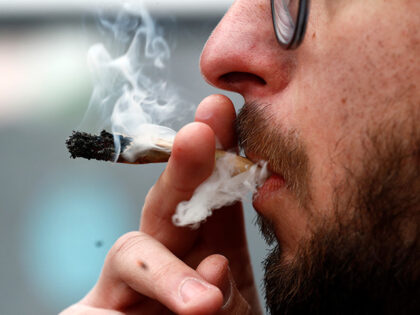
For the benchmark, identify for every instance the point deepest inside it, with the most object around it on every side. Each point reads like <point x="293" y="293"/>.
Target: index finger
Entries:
<point x="191" y="162"/>
<point x="218" y="112"/>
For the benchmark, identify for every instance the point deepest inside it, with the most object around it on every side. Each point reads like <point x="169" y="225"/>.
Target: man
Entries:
<point x="337" y="117"/>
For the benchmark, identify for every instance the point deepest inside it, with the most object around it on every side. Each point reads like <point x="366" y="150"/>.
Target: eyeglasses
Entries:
<point x="290" y="18"/>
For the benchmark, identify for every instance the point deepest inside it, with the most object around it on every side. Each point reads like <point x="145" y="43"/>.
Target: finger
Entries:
<point x="191" y="162"/>
<point x="138" y="264"/>
<point x="215" y="269"/>
<point x="79" y="309"/>
<point x="218" y="112"/>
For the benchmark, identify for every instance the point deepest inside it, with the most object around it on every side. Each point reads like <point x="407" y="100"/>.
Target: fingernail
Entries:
<point x="227" y="294"/>
<point x="192" y="288"/>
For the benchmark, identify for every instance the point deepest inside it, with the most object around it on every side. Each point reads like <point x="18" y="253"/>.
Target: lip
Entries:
<point x="271" y="187"/>
<point x="272" y="184"/>
<point x="275" y="202"/>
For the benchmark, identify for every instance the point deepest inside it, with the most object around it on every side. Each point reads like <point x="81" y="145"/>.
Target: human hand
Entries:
<point x="163" y="268"/>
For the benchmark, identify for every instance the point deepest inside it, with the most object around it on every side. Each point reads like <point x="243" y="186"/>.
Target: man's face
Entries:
<point x="337" y="120"/>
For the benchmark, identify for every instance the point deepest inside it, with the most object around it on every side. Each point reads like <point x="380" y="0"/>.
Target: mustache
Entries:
<point x="261" y="134"/>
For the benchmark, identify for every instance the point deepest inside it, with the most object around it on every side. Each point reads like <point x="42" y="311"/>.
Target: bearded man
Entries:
<point x="335" y="111"/>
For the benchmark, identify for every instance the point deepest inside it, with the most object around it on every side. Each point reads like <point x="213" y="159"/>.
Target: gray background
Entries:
<point x="58" y="216"/>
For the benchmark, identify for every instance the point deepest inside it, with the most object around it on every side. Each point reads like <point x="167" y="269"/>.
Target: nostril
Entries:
<point x="234" y="78"/>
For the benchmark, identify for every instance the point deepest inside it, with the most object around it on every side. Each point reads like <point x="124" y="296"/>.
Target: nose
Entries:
<point x="242" y="54"/>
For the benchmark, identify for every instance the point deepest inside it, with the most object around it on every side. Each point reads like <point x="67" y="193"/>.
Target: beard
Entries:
<point x="365" y="258"/>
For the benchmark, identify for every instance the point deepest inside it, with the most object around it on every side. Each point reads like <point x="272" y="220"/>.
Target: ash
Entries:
<point x="102" y="147"/>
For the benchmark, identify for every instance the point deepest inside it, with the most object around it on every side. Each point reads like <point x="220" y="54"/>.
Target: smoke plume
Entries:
<point x="132" y="96"/>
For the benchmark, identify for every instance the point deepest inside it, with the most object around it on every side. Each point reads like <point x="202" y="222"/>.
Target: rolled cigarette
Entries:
<point x="102" y="148"/>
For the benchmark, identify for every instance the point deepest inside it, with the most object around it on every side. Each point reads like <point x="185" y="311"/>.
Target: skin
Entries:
<point x="356" y="71"/>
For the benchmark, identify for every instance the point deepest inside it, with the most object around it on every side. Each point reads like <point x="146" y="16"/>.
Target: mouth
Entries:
<point x="273" y="184"/>
<point x="276" y="203"/>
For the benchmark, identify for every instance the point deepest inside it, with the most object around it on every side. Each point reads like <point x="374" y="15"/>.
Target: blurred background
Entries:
<point x="59" y="216"/>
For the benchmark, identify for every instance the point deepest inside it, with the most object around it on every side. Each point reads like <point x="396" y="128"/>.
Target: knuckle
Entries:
<point x="123" y="248"/>
<point x="162" y="270"/>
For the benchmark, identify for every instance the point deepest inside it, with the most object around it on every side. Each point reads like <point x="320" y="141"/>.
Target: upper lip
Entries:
<point x="255" y="158"/>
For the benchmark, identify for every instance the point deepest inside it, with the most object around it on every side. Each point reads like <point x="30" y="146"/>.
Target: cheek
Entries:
<point x="357" y="68"/>
<point x="353" y="70"/>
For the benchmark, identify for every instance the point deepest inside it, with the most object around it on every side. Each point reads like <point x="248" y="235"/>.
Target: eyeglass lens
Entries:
<point x="285" y="16"/>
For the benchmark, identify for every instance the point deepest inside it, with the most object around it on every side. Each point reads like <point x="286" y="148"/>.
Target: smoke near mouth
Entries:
<point x="222" y="188"/>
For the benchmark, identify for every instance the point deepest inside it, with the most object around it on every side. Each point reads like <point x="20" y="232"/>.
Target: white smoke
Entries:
<point x="132" y="97"/>
<point x="222" y="188"/>
<point x="131" y="93"/>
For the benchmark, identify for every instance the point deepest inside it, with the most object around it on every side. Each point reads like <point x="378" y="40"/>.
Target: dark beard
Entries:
<point x="366" y="259"/>
<point x="368" y="263"/>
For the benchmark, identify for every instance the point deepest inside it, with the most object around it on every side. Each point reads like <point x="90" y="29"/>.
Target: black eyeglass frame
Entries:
<point x="300" y="27"/>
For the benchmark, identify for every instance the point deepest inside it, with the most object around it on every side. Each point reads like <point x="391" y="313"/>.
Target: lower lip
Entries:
<point x="274" y="183"/>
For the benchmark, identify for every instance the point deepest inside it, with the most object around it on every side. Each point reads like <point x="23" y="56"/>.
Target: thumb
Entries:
<point x="215" y="270"/>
